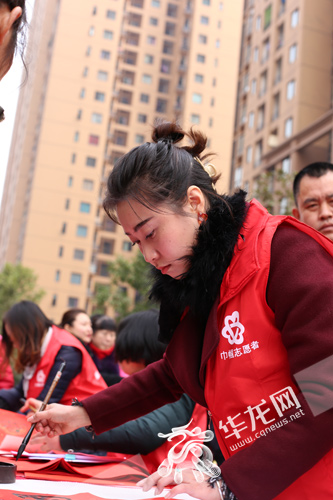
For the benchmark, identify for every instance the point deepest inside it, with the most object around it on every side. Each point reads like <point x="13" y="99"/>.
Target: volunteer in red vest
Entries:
<point x="246" y="308"/>
<point x="137" y="346"/>
<point x="41" y="348"/>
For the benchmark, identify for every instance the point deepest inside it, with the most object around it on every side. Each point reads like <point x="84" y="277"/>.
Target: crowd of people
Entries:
<point x="243" y="329"/>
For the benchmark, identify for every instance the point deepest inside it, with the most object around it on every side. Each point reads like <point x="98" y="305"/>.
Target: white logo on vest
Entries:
<point x="233" y="329"/>
<point x="40" y="378"/>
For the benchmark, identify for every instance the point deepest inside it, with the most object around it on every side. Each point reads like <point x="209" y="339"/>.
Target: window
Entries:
<point x="294" y="18"/>
<point x="88" y="51"/>
<point x="109" y="225"/>
<point x="167" y="47"/>
<point x="286" y="165"/>
<point x="63" y="228"/>
<point x="197" y="98"/>
<point x="206" y="2"/>
<point x="110" y="14"/>
<point x="204" y="20"/>
<point x="161" y="105"/>
<point x="210" y="122"/>
<point x="67" y="204"/>
<point x="293" y="53"/>
<point x="73" y="158"/>
<point x="79" y="114"/>
<point x="61" y="251"/>
<point x="139" y="138"/>
<point x="153" y="21"/>
<point x="82" y="93"/>
<point x="172" y="10"/>
<point x="240" y="145"/>
<point x="144" y="97"/>
<point x="249" y="154"/>
<point x="105" y="54"/>
<point x="278" y="71"/>
<point x="155" y="3"/>
<point x="202" y="39"/>
<point x="288" y="127"/>
<point x="85" y="207"/>
<point x="148" y="59"/>
<point x="107" y="247"/>
<point x="265" y="51"/>
<point x="70" y="181"/>
<point x="120" y="138"/>
<point x="280" y="36"/>
<point x="198" y="78"/>
<point x="93" y="139"/>
<point x="291" y="89"/>
<point x="267" y="16"/>
<point x="103" y="269"/>
<point x="217" y="43"/>
<point x="76" y="278"/>
<point x="147" y="78"/>
<point x="102" y="75"/>
<point x="107" y="34"/>
<point x="142" y="118"/>
<point x="261" y="117"/>
<point x="76" y="136"/>
<point x="87" y="184"/>
<point x="212" y="101"/>
<point x="170" y="29"/>
<point x="258" y="23"/>
<point x="238" y="177"/>
<point x="283" y="206"/>
<point x="253" y="86"/>
<point x="96" y="118"/>
<point x="151" y="40"/>
<point x="256" y="54"/>
<point x="81" y="231"/>
<point x="78" y="254"/>
<point x="127" y="246"/>
<point x="100" y="96"/>
<point x="263" y="84"/>
<point x="90" y="162"/>
<point x="251" y="119"/>
<point x="165" y="66"/>
<point x="54" y="300"/>
<point x="72" y="302"/>
<point x="276" y="106"/>
<point x="163" y="86"/>
<point x="57" y="276"/>
<point x="258" y="153"/>
<point x="201" y="58"/>
<point x="195" y="119"/>
<point x="91" y="31"/>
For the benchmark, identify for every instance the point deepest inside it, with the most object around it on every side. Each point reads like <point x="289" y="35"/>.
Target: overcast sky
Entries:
<point x="9" y="91"/>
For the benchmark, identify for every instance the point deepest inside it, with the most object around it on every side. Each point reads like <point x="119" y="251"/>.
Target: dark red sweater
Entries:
<point x="305" y="320"/>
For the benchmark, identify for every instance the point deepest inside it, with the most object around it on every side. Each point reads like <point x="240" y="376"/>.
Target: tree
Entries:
<point x="124" y="273"/>
<point x="274" y="191"/>
<point x="18" y="283"/>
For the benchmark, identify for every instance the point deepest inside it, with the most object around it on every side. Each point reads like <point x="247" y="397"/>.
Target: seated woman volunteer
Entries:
<point x="41" y="348"/>
<point x="136" y="347"/>
<point x="246" y="306"/>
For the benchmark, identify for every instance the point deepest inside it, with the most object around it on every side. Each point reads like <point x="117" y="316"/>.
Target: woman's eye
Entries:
<point x="150" y="235"/>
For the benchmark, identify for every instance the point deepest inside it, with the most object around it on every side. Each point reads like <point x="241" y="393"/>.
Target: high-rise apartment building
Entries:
<point x="284" y="104"/>
<point x="100" y="73"/>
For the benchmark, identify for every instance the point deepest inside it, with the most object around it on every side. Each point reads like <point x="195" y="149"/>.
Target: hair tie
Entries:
<point x="166" y="140"/>
<point x="209" y="168"/>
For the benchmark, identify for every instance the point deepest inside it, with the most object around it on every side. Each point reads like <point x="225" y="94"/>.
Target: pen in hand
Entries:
<point x="43" y="406"/>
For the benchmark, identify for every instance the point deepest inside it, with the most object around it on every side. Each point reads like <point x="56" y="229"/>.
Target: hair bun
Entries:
<point x="168" y="132"/>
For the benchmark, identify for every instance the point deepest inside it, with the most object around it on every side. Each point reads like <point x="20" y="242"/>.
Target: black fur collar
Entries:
<point x="211" y="256"/>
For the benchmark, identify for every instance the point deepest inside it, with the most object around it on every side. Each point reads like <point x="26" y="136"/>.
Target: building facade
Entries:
<point x="284" y="103"/>
<point x="100" y="73"/>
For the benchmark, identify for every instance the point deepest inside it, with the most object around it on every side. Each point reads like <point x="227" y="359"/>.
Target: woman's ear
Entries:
<point x="196" y="199"/>
<point x="7" y="19"/>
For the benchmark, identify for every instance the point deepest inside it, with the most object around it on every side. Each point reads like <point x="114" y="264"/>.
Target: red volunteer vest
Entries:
<point x="257" y="387"/>
<point x="155" y="458"/>
<point x="86" y="383"/>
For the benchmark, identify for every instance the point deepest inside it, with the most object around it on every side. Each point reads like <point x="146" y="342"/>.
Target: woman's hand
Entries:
<point x="31" y="405"/>
<point x="59" y="419"/>
<point x="43" y="444"/>
<point x="189" y="485"/>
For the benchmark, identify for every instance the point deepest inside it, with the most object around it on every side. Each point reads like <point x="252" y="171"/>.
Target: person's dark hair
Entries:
<point x="28" y="324"/>
<point x="316" y="169"/>
<point x="17" y="41"/>
<point x="137" y="338"/>
<point x="69" y="316"/>
<point x="102" y="322"/>
<point x="160" y="171"/>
